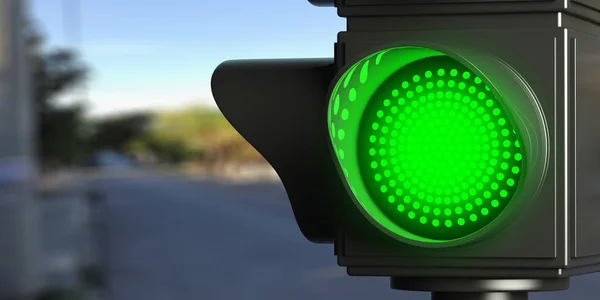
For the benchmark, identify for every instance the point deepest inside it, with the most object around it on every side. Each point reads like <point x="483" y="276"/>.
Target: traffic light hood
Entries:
<point x="437" y="146"/>
<point x="278" y="106"/>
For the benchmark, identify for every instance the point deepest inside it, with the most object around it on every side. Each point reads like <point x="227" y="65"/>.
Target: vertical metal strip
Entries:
<point x="572" y="173"/>
<point x="555" y="139"/>
<point x="566" y="72"/>
<point x="339" y="244"/>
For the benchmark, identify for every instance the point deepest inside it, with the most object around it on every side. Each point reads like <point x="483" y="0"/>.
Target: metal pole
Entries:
<point x="479" y="288"/>
<point x="20" y="275"/>
<point x="480" y="296"/>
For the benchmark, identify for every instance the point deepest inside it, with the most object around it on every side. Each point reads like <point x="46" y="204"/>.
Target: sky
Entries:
<point x="157" y="54"/>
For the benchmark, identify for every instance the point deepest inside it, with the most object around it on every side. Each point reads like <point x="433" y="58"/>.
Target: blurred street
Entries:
<point x="173" y="238"/>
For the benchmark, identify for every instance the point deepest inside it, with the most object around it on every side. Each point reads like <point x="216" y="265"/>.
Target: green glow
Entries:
<point x="428" y="149"/>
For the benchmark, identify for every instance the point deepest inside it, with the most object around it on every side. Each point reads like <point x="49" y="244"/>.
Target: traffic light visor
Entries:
<point x="425" y="143"/>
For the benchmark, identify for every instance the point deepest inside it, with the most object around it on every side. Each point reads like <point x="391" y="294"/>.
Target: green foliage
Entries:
<point x="59" y="138"/>
<point x="54" y="73"/>
<point x="165" y="149"/>
<point x="193" y="126"/>
<point x="192" y="134"/>
<point x="115" y="132"/>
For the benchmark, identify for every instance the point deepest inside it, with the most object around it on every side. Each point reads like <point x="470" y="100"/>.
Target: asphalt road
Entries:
<point x="170" y="239"/>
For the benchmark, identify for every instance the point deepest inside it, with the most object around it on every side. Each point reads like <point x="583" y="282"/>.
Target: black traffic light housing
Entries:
<point x="280" y="107"/>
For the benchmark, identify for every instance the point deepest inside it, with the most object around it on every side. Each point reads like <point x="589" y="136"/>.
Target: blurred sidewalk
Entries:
<point x="68" y="248"/>
<point x="229" y="172"/>
<point x="246" y="173"/>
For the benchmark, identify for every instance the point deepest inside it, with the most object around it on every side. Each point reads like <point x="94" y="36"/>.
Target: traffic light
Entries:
<point x="449" y="139"/>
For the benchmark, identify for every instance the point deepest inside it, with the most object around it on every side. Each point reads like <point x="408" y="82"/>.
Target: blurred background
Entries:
<point x="120" y="178"/>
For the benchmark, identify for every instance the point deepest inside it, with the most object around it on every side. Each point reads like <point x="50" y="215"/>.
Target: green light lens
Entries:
<point x="427" y="149"/>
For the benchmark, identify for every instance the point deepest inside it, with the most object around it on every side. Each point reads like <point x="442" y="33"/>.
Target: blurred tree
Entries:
<point x="115" y="132"/>
<point x="54" y="73"/>
<point x="59" y="135"/>
<point x="194" y="134"/>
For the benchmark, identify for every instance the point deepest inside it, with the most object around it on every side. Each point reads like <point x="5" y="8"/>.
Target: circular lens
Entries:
<point x="437" y="156"/>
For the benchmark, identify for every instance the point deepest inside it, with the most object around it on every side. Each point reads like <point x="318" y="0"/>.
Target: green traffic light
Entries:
<point x="426" y="147"/>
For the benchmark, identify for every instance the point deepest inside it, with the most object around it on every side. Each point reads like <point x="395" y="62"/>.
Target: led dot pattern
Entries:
<point x="436" y="151"/>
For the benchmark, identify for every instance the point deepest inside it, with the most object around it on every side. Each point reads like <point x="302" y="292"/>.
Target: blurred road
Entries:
<point x="168" y="238"/>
